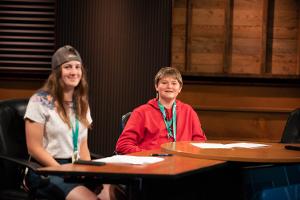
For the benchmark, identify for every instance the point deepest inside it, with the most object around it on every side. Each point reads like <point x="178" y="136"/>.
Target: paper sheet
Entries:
<point x="210" y="145"/>
<point x="229" y="146"/>
<point x="246" y="145"/>
<point x="135" y="160"/>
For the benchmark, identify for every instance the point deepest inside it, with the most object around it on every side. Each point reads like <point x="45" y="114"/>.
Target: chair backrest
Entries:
<point x="291" y="133"/>
<point x="12" y="141"/>
<point x="124" y="120"/>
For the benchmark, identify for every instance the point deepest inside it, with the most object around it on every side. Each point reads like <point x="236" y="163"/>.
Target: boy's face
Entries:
<point x="168" y="88"/>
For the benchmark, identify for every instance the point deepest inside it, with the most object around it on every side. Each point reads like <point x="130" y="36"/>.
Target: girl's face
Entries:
<point x="71" y="73"/>
<point x="168" y="88"/>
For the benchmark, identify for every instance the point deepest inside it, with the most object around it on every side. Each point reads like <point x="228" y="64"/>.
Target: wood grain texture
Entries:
<point x="273" y="153"/>
<point x="241" y="112"/>
<point x="252" y="37"/>
<point x="171" y="167"/>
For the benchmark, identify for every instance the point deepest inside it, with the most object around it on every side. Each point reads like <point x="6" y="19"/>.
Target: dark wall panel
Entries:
<point x="123" y="44"/>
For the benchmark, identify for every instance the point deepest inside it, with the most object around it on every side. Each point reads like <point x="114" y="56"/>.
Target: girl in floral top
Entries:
<point x="57" y="121"/>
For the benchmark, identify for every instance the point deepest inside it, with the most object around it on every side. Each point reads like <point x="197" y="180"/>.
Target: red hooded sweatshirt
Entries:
<point x="146" y="129"/>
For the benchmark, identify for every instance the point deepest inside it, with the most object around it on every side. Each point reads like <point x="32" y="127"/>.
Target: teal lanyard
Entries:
<point x="171" y="122"/>
<point x="75" y="135"/>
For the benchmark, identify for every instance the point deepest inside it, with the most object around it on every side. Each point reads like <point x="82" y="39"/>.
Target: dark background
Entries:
<point x="123" y="44"/>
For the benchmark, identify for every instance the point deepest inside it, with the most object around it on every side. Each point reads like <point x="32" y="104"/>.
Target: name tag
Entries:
<point x="75" y="156"/>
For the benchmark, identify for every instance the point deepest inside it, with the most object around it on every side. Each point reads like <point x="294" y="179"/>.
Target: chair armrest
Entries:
<point x="31" y="165"/>
<point x="96" y="156"/>
<point x="44" y="180"/>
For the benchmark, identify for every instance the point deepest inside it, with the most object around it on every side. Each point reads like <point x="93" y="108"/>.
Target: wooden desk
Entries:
<point x="174" y="173"/>
<point x="172" y="167"/>
<point x="275" y="153"/>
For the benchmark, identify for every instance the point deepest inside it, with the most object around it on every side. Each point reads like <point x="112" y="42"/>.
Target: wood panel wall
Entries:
<point x="237" y="37"/>
<point x="242" y="112"/>
<point x="10" y="89"/>
<point x="216" y="41"/>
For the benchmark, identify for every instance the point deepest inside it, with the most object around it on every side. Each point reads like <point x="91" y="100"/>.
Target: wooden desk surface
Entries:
<point x="275" y="153"/>
<point x="173" y="166"/>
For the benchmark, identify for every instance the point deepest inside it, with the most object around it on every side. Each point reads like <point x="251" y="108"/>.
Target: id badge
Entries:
<point x="75" y="156"/>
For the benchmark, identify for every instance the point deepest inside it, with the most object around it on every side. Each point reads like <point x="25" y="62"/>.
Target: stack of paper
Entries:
<point x="135" y="160"/>
<point x="228" y="146"/>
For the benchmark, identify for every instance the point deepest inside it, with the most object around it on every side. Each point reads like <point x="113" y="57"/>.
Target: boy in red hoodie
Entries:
<point x="163" y="119"/>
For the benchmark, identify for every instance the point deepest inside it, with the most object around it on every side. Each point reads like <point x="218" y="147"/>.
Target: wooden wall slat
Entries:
<point x="246" y="57"/>
<point x="265" y="68"/>
<point x="227" y="54"/>
<point x="283" y="42"/>
<point x="297" y="30"/>
<point x="179" y="28"/>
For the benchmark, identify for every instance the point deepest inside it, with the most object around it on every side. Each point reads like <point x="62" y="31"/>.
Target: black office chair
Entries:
<point x="291" y="133"/>
<point x="124" y="120"/>
<point x="13" y="151"/>
<point x="280" y="182"/>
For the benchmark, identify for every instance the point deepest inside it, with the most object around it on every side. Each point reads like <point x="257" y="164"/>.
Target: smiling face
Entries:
<point x="71" y="73"/>
<point x="168" y="88"/>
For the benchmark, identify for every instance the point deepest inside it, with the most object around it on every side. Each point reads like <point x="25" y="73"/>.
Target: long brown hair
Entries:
<point x="54" y="86"/>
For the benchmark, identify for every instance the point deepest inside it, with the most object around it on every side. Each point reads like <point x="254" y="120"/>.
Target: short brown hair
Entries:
<point x="168" y="71"/>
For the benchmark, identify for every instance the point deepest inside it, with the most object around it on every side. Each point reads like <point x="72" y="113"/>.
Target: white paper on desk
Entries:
<point x="135" y="160"/>
<point x="247" y="145"/>
<point x="210" y="145"/>
<point x="229" y="146"/>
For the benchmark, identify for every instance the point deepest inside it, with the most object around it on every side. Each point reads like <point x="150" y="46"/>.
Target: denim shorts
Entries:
<point x="52" y="187"/>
